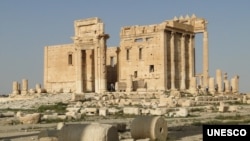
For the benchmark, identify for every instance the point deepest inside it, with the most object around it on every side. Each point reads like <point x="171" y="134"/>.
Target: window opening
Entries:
<point x="70" y="61"/>
<point x="135" y="74"/>
<point x="151" y="68"/>
<point x="140" y="53"/>
<point x="112" y="63"/>
<point x="127" y="54"/>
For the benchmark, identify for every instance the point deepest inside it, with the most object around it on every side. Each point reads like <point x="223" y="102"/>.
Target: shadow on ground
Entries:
<point x="179" y="132"/>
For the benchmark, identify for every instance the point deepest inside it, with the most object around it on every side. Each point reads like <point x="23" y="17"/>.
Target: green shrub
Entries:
<point x="58" y="108"/>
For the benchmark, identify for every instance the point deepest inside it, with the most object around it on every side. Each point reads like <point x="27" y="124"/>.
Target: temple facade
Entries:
<point x="157" y="57"/>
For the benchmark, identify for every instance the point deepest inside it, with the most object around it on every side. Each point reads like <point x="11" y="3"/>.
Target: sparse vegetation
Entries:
<point x="197" y="110"/>
<point x="58" y="108"/>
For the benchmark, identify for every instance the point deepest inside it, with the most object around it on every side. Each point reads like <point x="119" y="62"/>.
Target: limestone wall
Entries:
<point x="59" y="67"/>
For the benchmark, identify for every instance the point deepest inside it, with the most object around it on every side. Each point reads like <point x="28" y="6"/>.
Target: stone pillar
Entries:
<point x="15" y="88"/>
<point x="227" y="86"/>
<point x="100" y="64"/>
<point x="191" y="57"/>
<point x="129" y="84"/>
<point x="193" y="85"/>
<point x="183" y="64"/>
<point x="38" y="88"/>
<point x="79" y="81"/>
<point x="211" y="85"/>
<point x="24" y="86"/>
<point x="205" y="59"/>
<point x="165" y="46"/>
<point x="219" y="80"/>
<point x="235" y="84"/>
<point x="172" y="48"/>
<point x="103" y="74"/>
<point x="89" y="70"/>
<point x="97" y="64"/>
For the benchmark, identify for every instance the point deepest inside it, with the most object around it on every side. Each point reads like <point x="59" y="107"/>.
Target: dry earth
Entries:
<point x="179" y="129"/>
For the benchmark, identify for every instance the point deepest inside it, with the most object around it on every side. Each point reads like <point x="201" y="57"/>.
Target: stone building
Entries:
<point x="161" y="56"/>
<point x="149" y="58"/>
<point x="80" y="66"/>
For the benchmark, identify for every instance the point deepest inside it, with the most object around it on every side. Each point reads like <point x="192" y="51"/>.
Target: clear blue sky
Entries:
<point x="27" y="26"/>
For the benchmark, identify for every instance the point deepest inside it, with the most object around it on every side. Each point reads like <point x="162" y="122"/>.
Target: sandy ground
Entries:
<point x="179" y="129"/>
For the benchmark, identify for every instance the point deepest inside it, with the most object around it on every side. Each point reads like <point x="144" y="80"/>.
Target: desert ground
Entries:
<point x="188" y="128"/>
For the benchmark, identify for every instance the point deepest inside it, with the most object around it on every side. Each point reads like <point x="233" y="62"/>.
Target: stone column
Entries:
<point x="79" y="81"/>
<point x="235" y="84"/>
<point x="205" y="59"/>
<point x="15" y="88"/>
<point x="24" y="86"/>
<point x="164" y="37"/>
<point x="191" y="57"/>
<point x="183" y="64"/>
<point x="211" y="85"/>
<point x="101" y="80"/>
<point x="219" y="80"/>
<point x="89" y="70"/>
<point x="129" y="84"/>
<point x="172" y="48"/>
<point x="97" y="64"/>
<point x="193" y="85"/>
<point x="38" y="88"/>
<point x="227" y="86"/>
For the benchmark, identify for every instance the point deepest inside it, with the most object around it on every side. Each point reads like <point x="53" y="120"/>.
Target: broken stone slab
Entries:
<point x="78" y="104"/>
<point x="223" y="107"/>
<point x="113" y="111"/>
<point x="187" y="103"/>
<point x="182" y="112"/>
<point x="233" y="108"/>
<point x="91" y="111"/>
<point x="158" y="111"/>
<point x="131" y="111"/>
<point x="152" y="127"/>
<point x="73" y="109"/>
<point x="145" y="111"/>
<point x="88" y="132"/>
<point x="103" y="112"/>
<point x="77" y="97"/>
<point x="74" y="115"/>
<point x="49" y="117"/>
<point x="8" y="114"/>
<point x="30" y="118"/>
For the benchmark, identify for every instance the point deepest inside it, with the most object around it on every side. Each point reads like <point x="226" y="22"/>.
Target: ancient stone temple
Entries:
<point x="156" y="57"/>
<point x="161" y="56"/>
<point x="80" y="66"/>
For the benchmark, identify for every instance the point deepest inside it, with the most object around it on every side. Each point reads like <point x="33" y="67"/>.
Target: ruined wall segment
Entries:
<point x="59" y="67"/>
<point x="80" y="66"/>
<point x="160" y="56"/>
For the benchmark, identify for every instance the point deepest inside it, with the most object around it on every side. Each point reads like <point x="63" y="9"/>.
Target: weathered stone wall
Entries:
<point x="59" y="67"/>
<point x="141" y="54"/>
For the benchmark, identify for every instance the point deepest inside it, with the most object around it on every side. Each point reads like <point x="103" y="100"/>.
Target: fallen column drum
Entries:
<point x="88" y="132"/>
<point x="153" y="127"/>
